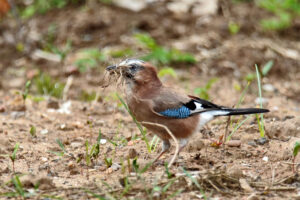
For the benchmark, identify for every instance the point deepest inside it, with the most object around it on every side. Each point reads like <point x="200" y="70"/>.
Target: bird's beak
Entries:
<point x="111" y="68"/>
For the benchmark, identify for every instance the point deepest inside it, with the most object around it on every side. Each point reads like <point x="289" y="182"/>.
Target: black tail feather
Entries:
<point x="244" y="111"/>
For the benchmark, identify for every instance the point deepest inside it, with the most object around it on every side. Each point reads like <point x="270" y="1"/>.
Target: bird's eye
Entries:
<point x="133" y="68"/>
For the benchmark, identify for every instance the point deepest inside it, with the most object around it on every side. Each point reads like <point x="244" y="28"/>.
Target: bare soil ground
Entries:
<point x="250" y="171"/>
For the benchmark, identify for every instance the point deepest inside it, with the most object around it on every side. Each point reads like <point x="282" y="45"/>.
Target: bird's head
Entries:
<point x="136" y="72"/>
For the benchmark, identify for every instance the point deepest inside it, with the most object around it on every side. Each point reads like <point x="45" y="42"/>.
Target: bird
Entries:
<point x="149" y="100"/>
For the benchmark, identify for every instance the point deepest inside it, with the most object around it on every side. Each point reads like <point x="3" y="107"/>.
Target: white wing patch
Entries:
<point x="198" y="107"/>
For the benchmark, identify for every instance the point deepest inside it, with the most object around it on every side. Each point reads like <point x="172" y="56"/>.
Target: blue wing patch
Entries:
<point x="179" y="113"/>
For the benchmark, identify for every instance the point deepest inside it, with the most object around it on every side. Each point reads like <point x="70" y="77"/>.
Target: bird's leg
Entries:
<point x="165" y="147"/>
<point x="182" y="144"/>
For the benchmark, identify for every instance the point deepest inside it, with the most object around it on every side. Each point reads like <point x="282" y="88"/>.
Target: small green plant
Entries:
<point x="259" y="118"/>
<point x="167" y="171"/>
<point x="233" y="28"/>
<point x="263" y="72"/>
<point x="295" y="153"/>
<point x="137" y="169"/>
<point x="203" y="92"/>
<point x="42" y="6"/>
<point x="285" y="12"/>
<point x="93" y="152"/>
<point x="62" y="52"/>
<point x="108" y="162"/>
<point x="260" y="121"/>
<point x="45" y="85"/>
<point x="26" y="90"/>
<point x="96" y="152"/>
<point x="154" y="142"/>
<point x="162" y="55"/>
<point x="161" y="190"/>
<point x="89" y="58"/>
<point x="127" y="186"/>
<point x="32" y="131"/>
<point x="63" y="150"/>
<point x="51" y="34"/>
<point x="167" y="71"/>
<point x="237" y="127"/>
<point x="88" y="154"/>
<point x="13" y="156"/>
<point x="18" y="190"/>
<point x="266" y="68"/>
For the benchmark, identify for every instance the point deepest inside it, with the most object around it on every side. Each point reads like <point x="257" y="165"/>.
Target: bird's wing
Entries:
<point x="171" y="104"/>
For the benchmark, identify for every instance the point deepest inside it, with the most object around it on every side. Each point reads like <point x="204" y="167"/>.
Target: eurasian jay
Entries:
<point x="150" y="101"/>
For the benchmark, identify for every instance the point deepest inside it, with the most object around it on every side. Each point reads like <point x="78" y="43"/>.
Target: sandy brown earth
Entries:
<point x="251" y="170"/>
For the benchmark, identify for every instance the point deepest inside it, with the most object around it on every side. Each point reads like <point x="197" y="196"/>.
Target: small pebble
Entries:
<point x="76" y="144"/>
<point x="115" y="166"/>
<point x="268" y="88"/>
<point x="265" y="158"/>
<point x="261" y="141"/>
<point x="233" y="143"/>
<point x="103" y="141"/>
<point x="17" y="114"/>
<point x="44" y="159"/>
<point x="44" y="132"/>
<point x="63" y="126"/>
<point x="252" y="143"/>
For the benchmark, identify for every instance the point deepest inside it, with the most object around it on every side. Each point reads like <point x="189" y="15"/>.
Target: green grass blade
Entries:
<point x="242" y="97"/>
<point x="267" y="68"/>
<point x="296" y="149"/>
<point x="237" y="127"/>
<point x="61" y="145"/>
<point x="13" y="156"/>
<point x="261" y="124"/>
<point x="19" y="187"/>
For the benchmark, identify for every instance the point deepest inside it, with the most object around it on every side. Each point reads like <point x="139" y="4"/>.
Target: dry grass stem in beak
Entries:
<point x="112" y="74"/>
